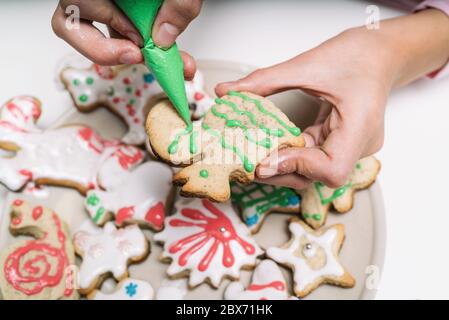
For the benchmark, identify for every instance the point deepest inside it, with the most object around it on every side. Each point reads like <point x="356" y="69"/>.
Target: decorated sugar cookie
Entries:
<point x="235" y="135"/>
<point x="267" y="283"/>
<point x="73" y="156"/>
<point x="127" y="289"/>
<point x="109" y="251"/>
<point x="172" y="289"/>
<point x="318" y="198"/>
<point x="207" y="241"/>
<point x="39" y="268"/>
<point x="313" y="257"/>
<point x="257" y="200"/>
<point x="142" y="198"/>
<point x="128" y="91"/>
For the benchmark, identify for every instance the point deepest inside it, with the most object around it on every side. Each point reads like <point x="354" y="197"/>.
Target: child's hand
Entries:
<point x="123" y="46"/>
<point x="355" y="72"/>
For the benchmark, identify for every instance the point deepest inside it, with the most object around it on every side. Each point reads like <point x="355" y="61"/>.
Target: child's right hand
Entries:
<point x="123" y="46"/>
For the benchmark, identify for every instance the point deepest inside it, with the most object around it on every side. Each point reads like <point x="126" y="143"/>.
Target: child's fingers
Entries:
<point x="172" y="19"/>
<point x="90" y="42"/>
<point x="104" y="11"/>
<point x="189" y="65"/>
<point x="291" y="180"/>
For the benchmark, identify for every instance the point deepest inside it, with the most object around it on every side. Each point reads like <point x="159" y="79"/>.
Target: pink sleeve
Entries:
<point x="442" y="5"/>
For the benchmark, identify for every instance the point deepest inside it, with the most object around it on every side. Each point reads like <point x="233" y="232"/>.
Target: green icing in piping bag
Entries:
<point x="166" y="64"/>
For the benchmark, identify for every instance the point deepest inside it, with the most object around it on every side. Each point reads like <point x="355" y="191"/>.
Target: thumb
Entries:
<point x="331" y="163"/>
<point x="172" y="19"/>
<point x="267" y="81"/>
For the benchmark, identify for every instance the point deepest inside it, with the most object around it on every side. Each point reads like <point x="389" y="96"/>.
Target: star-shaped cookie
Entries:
<point x="313" y="257"/>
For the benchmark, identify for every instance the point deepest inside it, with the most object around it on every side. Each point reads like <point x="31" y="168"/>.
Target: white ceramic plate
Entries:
<point x="364" y="247"/>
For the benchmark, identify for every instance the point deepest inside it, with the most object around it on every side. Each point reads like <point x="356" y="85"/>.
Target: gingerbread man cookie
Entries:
<point x="127" y="289"/>
<point x="128" y="91"/>
<point x="108" y="251"/>
<point x="143" y="197"/>
<point x="72" y="156"/>
<point x="39" y="268"/>
<point x="313" y="257"/>
<point x="318" y="198"/>
<point x="267" y="283"/>
<point x="257" y="200"/>
<point x="234" y="136"/>
<point x="206" y="241"/>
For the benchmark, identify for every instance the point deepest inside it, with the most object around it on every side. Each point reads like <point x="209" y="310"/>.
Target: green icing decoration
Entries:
<point x="99" y="214"/>
<point x="336" y="194"/>
<point x="93" y="200"/>
<point x="358" y="166"/>
<point x="89" y="81"/>
<point x="315" y="216"/>
<point x="166" y="64"/>
<point x="204" y="173"/>
<point x="173" y="147"/>
<point x="76" y="82"/>
<point x="111" y="91"/>
<point x="83" y="98"/>
<point x="293" y="130"/>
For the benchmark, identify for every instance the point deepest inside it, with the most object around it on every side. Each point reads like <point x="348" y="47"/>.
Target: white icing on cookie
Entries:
<point x="127" y="289"/>
<point x="267" y="283"/>
<point x="38" y="192"/>
<point x="126" y="90"/>
<point x="108" y="251"/>
<point x="172" y="289"/>
<point x="141" y="197"/>
<point x="304" y="247"/>
<point x="208" y="240"/>
<point x="74" y="155"/>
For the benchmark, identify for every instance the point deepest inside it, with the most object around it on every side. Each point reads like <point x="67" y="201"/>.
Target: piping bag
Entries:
<point x="166" y="64"/>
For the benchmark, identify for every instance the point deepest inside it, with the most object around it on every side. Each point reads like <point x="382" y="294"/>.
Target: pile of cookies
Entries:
<point x="206" y="231"/>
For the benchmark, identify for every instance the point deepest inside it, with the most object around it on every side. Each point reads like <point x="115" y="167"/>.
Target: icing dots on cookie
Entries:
<point x="38" y="268"/>
<point x="127" y="289"/>
<point x="257" y="200"/>
<point x="313" y="257"/>
<point x="142" y="197"/>
<point x="267" y="283"/>
<point x="317" y="199"/>
<point x="128" y="91"/>
<point x="108" y="251"/>
<point x="74" y="156"/>
<point x="208" y="241"/>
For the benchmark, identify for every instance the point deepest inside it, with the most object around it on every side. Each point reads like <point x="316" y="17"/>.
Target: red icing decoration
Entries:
<point x="104" y="72"/>
<point x="124" y="214"/>
<point x="211" y="230"/>
<point x="126" y="81"/>
<point x="94" y="142"/>
<point x="128" y="156"/>
<point x="136" y="120"/>
<point x="277" y="285"/>
<point x="11" y="126"/>
<point x="198" y="96"/>
<point x="116" y="100"/>
<point x="37" y="212"/>
<point x="156" y="215"/>
<point x="26" y="173"/>
<point x="31" y="276"/>
<point x="16" y="111"/>
<point x="17" y="202"/>
<point x="16" y="221"/>
<point x="138" y="93"/>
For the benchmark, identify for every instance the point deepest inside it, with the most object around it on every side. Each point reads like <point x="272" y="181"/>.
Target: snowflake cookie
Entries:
<point x="257" y="200"/>
<point x="267" y="283"/>
<point x="127" y="289"/>
<point x="142" y="197"/>
<point x="313" y="257"/>
<point x="234" y="136"/>
<point x="208" y="241"/>
<point x="73" y="156"/>
<point x="318" y="198"/>
<point x="39" y="268"/>
<point x="128" y="91"/>
<point x="108" y="251"/>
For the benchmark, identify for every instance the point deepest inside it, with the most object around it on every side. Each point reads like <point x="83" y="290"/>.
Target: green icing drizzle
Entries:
<point x="336" y="194"/>
<point x="173" y="147"/>
<point x="249" y="167"/>
<point x="204" y="173"/>
<point x="315" y="216"/>
<point x="83" y="98"/>
<point x="293" y="130"/>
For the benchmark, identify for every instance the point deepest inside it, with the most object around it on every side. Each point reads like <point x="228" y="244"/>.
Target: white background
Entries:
<point x="415" y="156"/>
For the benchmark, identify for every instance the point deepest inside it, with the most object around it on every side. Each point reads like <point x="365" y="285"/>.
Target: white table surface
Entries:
<point x="415" y="156"/>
